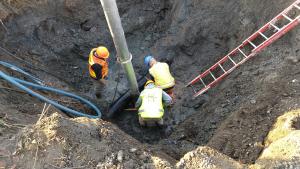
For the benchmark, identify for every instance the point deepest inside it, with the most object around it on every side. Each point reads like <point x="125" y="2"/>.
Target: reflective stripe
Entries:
<point x="158" y="110"/>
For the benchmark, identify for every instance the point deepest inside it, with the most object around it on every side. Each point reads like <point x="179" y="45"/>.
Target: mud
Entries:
<point x="52" y="41"/>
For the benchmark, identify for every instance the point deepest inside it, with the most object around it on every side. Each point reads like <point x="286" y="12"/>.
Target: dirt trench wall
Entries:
<point x="57" y="37"/>
<point x="254" y="94"/>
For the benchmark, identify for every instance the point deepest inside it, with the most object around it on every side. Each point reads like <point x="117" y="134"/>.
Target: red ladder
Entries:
<point x="277" y="27"/>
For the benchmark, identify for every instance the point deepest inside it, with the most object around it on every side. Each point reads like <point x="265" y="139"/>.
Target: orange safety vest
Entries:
<point x="96" y="60"/>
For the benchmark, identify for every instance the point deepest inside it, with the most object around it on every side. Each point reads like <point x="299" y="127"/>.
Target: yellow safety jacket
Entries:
<point x="162" y="76"/>
<point x="152" y="106"/>
<point x="95" y="60"/>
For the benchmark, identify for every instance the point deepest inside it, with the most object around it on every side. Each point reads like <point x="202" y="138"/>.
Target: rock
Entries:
<point x="143" y="156"/>
<point x="148" y="38"/>
<point x="133" y="150"/>
<point x="3" y="13"/>
<point x="129" y="164"/>
<point x="294" y="81"/>
<point x="252" y="101"/>
<point x="120" y="156"/>
<point x="285" y="94"/>
<point x="34" y="52"/>
<point x="93" y="29"/>
<point x="224" y="105"/>
<point x="62" y="164"/>
<point x="292" y="59"/>
<point x="141" y="20"/>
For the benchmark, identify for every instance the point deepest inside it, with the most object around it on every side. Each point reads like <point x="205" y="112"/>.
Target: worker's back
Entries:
<point x="152" y="106"/>
<point x="162" y="76"/>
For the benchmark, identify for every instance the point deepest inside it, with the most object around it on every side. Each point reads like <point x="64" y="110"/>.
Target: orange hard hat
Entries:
<point x="102" y="52"/>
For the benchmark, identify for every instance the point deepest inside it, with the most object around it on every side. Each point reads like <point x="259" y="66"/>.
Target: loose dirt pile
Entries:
<point x="52" y="41"/>
<point x="57" y="142"/>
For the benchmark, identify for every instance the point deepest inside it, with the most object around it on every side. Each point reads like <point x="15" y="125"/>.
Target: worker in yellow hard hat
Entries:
<point x="150" y="104"/>
<point x="98" y="65"/>
<point x="160" y="72"/>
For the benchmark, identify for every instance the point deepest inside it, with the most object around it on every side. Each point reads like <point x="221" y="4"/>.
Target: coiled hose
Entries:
<point x="39" y="86"/>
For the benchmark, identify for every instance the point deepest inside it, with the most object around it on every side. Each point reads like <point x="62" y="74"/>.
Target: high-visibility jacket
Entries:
<point x="96" y="60"/>
<point x="152" y="106"/>
<point x="162" y="76"/>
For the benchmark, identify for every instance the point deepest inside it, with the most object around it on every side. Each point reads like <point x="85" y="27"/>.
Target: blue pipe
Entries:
<point x="15" y="68"/>
<point x="22" y="85"/>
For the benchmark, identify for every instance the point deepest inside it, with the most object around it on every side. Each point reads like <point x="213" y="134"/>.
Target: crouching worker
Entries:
<point x="160" y="72"/>
<point x="98" y="66"/>
<point x="151" y="104"/>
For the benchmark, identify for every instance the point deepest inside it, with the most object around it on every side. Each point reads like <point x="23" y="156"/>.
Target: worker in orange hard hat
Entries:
<point x="98" y="66"/>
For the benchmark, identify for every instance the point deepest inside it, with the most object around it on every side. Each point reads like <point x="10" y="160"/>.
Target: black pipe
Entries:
<point x="123" y="101"/>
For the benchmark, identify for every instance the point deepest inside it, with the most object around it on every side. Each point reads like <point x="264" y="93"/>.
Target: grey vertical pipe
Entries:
<point x="114" y="22"/>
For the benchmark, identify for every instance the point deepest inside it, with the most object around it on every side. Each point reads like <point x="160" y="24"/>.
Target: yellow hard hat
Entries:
<point x="148" y="82"/>
<point x="102" y="52"/>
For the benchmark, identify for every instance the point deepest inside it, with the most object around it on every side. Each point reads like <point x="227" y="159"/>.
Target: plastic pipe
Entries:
<point x="22" y="85"/>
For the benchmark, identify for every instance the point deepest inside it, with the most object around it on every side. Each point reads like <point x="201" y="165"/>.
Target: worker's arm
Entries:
<point x="166" y="99"/>
<point x="138" y="102"/>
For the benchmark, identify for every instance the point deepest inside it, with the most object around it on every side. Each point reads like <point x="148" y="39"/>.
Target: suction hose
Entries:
<point x="22" y="85"/>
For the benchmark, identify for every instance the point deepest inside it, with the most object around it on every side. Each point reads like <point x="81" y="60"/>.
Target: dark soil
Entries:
<point x="53" y="39"/>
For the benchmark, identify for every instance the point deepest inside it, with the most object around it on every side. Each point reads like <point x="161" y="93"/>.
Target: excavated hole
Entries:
<point x="65" y="56"/>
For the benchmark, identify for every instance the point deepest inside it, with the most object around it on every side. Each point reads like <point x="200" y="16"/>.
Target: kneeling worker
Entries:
<point x="160" y="72"/>
<point x="150" y="104"/>
<point x="98" y="66"/>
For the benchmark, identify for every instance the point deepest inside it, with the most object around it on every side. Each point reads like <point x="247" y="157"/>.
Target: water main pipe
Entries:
<point x="115" y="26"/>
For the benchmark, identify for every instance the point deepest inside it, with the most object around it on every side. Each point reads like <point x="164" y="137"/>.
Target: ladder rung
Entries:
<point x="212" y="75"/>
<point x="252" y="44"/>
<point x="193" y="89"/>
<point x="222" y="68"/>
<point x="232" y="60"/>
<point x="288" y="18"/>
<point x="274" y="26"/>
<point x="263" y="35"/>
<point x="277" y="32"/>
<point x="242" y="52"/>
<point x="203" y="82"/>
<point x="297" y="6"/>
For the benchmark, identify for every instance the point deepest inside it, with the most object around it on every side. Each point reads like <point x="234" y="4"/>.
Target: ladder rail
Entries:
<point x="279" y="33"/>
<point x="224" y="59"/>
<point x="265" y="27"/>
<point x="221" y="77"/>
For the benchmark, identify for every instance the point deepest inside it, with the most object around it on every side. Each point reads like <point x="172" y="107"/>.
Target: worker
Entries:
<point x="160" y="73"/>
<point x="98" y="65"/>
<point x="150" y="104"/>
